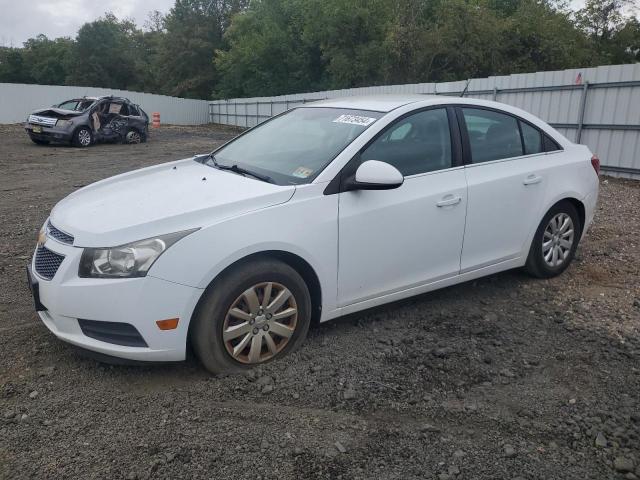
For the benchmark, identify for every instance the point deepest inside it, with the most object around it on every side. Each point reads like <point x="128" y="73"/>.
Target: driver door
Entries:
<point x="393" y="240"/>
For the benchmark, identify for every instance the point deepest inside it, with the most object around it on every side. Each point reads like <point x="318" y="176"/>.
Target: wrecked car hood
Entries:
<point x="161" y="199"/>
<point x="57" y="112"/>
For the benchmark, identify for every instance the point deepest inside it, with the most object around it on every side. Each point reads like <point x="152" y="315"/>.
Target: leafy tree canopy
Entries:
<point x="228" y="48"/>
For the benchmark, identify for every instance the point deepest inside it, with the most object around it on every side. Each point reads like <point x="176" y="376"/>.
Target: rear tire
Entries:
<point x="555" y="241"/>
<point x="82" y="138"/>
<point x="133" y="136"/>
<point x="39" y="142"/>
<point x="241" y="309"/>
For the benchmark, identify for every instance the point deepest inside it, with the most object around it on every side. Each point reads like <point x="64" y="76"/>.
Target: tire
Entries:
<point x="82" y="138"/>
<point x="133" y="136"/>
<point x="542" y="261"/>
<point x="39" y="142"/>
<point x="229" y="292"/>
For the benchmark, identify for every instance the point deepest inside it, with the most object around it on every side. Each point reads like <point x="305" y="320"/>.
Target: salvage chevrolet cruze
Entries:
<point x="324" y="210"/>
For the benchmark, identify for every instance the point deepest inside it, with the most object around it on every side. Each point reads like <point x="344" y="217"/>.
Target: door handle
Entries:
<point x="449" y="200"/>
<point x="532" y="179"/>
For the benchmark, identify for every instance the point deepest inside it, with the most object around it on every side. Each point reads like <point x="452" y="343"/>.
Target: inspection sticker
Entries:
<point x="302" y="172"/>
<point x="355" y="120"/>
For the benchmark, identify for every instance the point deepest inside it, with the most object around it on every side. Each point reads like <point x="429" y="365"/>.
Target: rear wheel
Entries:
<point x="39" y="142"/>
<point x="82" y="137"/>
<point x="555" y="242"/>
<point x="253" y="314"/>
<point x="133" y="136"/>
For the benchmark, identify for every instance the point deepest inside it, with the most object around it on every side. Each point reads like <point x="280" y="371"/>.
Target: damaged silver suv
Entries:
<point x="84" y="121"/>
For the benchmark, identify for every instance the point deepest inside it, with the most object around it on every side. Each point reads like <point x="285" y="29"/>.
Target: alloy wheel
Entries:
<point x="260" y="323"/>
<point x="84" y="137"/>
<point x="557" y="240"/>
<point x="133" y="137"/>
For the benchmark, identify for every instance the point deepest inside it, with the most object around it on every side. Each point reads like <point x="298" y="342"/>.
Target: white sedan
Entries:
<point x="327" y="209"/>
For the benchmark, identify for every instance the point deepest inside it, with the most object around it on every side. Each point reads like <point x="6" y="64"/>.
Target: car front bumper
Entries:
<point x="67" y="303"/>
<point x="50" y="134"/>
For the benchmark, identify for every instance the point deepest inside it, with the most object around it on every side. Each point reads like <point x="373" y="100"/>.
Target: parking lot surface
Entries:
<point x="506" y="377"/>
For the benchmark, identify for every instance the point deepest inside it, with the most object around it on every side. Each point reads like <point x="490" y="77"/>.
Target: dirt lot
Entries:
<point x="502" y="378"/>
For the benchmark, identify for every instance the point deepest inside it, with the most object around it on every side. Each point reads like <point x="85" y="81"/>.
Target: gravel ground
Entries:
<point x="501" y="378"/>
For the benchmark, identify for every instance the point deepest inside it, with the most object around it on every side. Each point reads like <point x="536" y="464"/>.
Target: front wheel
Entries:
<point x="82" y="137"/>
<point x="555" y="242"/>
<point x="253" y="314"/>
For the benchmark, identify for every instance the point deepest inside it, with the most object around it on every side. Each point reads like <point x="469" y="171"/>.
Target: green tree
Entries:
<point x="12" y="66"/>
<point x="48" y="60"/>
<point x="267" y="53"/>
<point x="193" y="32"/>
<point x="105" y="53"/>
<point x="614" y="34"/>
<point x="350" y="36"/>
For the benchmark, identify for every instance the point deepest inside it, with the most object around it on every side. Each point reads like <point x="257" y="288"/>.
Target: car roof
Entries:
<point x="102" y="97"/>
<point x="378" y="103"/>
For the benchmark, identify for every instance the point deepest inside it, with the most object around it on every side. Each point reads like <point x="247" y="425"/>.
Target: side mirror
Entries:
<point x="375" y="175"/>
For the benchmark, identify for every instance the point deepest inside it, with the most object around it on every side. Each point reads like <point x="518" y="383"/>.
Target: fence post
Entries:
<point x="583" y="103"/>
<point x="495" y="93"/>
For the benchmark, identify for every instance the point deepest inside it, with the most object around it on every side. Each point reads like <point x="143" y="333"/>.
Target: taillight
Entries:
<point x="595" y="163"/>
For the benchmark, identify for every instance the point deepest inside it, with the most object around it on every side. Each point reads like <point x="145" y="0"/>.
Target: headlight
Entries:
<point x="64" y="123"/>
<point x="127" y="261"/>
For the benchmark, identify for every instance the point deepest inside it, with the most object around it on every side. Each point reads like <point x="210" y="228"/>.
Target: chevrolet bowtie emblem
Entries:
<point x="42" y="237"/>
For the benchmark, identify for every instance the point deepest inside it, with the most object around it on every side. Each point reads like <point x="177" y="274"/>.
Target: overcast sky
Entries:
<point x="23" y="19"/>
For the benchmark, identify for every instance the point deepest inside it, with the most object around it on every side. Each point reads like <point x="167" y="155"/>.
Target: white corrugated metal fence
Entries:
<point x="18" y="100"/>
<point x="598" y="106"/>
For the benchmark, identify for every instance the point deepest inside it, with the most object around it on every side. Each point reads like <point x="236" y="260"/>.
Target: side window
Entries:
<point x="492" y="135"/>
<point x="416" y="144"/>
<point x="124" y="110"/>
<point x="550" y="145"/>
<point x="133" y="110"/>
<point x="532" y="138"/>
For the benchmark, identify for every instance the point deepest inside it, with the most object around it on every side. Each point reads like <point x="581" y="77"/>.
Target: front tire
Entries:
<point x="555" y="241"/>
<point x="82" y="137"/>
<point x="255" y="313"/>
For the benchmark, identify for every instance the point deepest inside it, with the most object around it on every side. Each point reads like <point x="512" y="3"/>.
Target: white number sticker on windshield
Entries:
<point x="302" y="172"/>
<point x="355" y="120"/>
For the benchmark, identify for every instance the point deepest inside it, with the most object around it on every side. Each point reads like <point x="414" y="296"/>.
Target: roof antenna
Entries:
<point x="466" y="87"/>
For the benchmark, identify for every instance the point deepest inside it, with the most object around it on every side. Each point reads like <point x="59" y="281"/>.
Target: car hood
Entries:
<point x="161" y="199"/>
<point x="57" y="113"/>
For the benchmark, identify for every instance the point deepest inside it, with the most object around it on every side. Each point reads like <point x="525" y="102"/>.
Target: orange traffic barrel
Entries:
<point x="156" y="120"/>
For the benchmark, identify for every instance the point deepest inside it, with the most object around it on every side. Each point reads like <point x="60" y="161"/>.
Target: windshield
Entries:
<point x="295" y="147"/>
<point x="76" y="105"/>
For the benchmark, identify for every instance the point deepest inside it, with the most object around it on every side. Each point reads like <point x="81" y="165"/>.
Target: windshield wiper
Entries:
<point x="242" y="171"/>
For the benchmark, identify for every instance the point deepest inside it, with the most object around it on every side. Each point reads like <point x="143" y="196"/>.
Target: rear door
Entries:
<point x="507" y="176"/>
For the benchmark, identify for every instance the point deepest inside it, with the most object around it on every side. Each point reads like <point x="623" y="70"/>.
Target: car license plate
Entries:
<point x="37" y="129"/>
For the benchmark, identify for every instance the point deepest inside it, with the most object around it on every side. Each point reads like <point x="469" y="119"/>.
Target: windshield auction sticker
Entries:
<point x="302" y="172"/>
<point x="355" y="120"/>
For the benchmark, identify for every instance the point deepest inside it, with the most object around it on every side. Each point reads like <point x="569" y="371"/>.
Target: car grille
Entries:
<point x="46" y="121"/>
<point x="47" y="262"/>
<point x="59" y="235"/>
